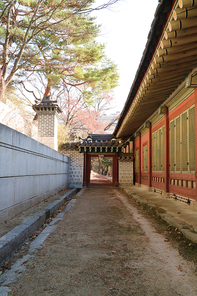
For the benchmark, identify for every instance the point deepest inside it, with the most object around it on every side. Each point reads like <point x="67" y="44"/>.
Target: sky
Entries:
<point x="124" y="31"/>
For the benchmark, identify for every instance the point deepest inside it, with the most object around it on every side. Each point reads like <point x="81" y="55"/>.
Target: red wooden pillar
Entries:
<point x="134" y="161"/>
<point x="115" y="169"/>
<point x="88" y="168"/>
<point x="196" y="137"/>
<point x="150" y="156"/>
<point x="166" y="152"/>
<point x="140" y="158"/>
<point x="85" y="169"/>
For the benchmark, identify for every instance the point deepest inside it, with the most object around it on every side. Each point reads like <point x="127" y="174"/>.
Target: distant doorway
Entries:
<point x="101" y="170"/>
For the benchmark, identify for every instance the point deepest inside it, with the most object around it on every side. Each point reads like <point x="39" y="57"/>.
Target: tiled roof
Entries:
<point x="101" y="137"/>
<point x="170" y="56"/>
<point x="47" y="104"/>
<point x="95" y="143"/>
<point x="100" y="140"/>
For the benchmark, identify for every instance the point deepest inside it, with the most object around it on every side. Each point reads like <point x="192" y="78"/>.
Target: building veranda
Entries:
<point x="159" y="119"/>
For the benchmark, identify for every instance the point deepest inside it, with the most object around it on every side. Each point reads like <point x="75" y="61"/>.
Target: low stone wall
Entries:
<point x="29" y="172"/>
<point x="75" y="168"/>
<point x="125" y="171"/>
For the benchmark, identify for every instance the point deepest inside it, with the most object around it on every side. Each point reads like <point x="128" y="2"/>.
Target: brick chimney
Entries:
<point x="47" y="116"/>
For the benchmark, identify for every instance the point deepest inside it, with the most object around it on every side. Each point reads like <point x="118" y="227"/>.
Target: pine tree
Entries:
<point x="26" y="24"/>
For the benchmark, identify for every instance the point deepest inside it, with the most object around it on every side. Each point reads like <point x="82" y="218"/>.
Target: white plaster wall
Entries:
<point x="29" y="172"/>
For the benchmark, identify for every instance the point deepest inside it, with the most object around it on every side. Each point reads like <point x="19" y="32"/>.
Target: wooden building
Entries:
<point x="159" y="119"/>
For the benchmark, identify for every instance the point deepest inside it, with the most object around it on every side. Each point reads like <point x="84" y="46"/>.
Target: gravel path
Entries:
<point x="105" y="247"/>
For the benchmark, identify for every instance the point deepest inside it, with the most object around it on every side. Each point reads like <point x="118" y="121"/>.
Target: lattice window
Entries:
<point x="172" y="146"/>
<point x="145" y="160"/>
<point x="162" y="154"/>
<point x="158" y="150"/>
<point x="178" y="145"/>
<point x="182" y="142"/>
<point x="154" y="152"/>
<point x="192" y="139"/>
<point x="137" y="161"/>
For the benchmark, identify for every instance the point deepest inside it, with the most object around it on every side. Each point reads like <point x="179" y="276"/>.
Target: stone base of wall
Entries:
<point x="193" y="203"/>
<point x="145" y="187"/>
<point x="16" y="209"/>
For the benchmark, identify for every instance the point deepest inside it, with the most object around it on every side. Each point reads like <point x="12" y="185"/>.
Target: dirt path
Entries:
<point x="105" y="247"/>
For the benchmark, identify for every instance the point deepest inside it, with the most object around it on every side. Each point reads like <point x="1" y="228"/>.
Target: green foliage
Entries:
<point x="17" y="33"/>
<point x="88" y="97"/>
<point x="2" y="31"/>
<point x="54" y="79"/>
<point x="55" y="39"/>
<point x="30" y="3"/>
<point x="102" y="164"/>
<point x="107" y="161"/>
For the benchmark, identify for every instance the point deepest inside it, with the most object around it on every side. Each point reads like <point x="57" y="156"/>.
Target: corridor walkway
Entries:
<point x="103" y="246"/>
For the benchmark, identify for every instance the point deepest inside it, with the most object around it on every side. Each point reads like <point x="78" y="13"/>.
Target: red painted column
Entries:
<point x="140" y="158"/>
<point x="150" y="156"/>
<point x="196" y="137"/>
<point x="166" y="152"/>
<point x="88" y="168"/>
<point x="134" y="161"/>
<point x="115" y="169"/>
<point x="85" y="169"/>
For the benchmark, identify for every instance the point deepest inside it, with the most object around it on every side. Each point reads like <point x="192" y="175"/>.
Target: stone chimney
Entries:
<point x="47" y="116"/>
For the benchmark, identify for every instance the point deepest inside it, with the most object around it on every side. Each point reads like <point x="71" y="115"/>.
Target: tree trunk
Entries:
<point x="47" y="91"/>
<point x="2" y="90"/>
<point x="48" y="88"/>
